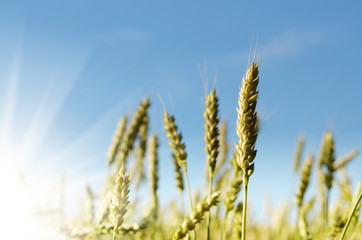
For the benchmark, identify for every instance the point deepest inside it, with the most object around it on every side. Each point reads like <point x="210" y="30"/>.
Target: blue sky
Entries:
<point x="70" y="69"/>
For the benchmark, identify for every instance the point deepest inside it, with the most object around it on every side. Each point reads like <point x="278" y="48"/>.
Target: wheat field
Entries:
<point x="220" y="210"/>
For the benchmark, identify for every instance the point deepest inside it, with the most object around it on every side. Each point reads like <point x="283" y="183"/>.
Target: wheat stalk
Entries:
<point x="355" y="209"/>
<point x="247" y="129"/>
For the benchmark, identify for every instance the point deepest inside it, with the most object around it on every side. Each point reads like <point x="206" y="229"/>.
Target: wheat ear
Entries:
<point x="224" y="146"/>
<point x="231" y="195"/>
<point x="175" y="138"/>
<point x="211" y="135"/>
<point x="118" y="207"/>
<point x="304" y="181"/>
<point x="179" y="148"/>
<point x="90" y="204"/>
<point x="116" y="140"/>
<point x="211" y="138"/>
<point x="232" y="192"/>
<point x="178" y="174"/>
<point x="141" y="149"/>
<point x="132" y="131"/>
<point x="238" y="221"/>
<point x="298" y="153"/>
<point x="299" y="195"/>
<point x="340" y="163"/>
<point x="196" y="215"/>
<point x="247" y="129"/>
<point x="327" y="159"/>
<point x="153" y="173"/>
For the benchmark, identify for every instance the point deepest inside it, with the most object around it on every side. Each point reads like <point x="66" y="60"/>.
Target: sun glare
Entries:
<point x="29" y="209"/>
<point x="22" y="214"/>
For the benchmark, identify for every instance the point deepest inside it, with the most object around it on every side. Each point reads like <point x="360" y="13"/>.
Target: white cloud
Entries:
<point x="290" y="43"/>
<point x="129" y="35"/>
<point x="286" y="44"/>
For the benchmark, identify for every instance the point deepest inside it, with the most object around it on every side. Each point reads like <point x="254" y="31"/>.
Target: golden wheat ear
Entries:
<point x="304" y="181"/>
<point x="247" y="122"/>
<point x="175" y="140"/>
<point x="141" y="150"/>
<point x="224" y="146"/>
<point x="326" y="167"/>
<point x="116" y="140"/>
<point x="178" y="174"/>
<point x="118" y="206"/>
<point x="211" y="135"/>
<point x="153" y="173"/>
<point x="298" y="153"/>
<point x="178" y="147"/>
<point x="247" y="129"/>
<point x="196" y="215"/>
<point x="131" y="132"/>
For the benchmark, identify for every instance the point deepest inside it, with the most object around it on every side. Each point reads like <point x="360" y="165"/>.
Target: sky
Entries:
<point x="70" y="69"/>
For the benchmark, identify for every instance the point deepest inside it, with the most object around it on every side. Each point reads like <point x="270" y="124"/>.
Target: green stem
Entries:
<point x="188" y="188"/>
<point x="298" y="234"/>
<point x="224" y="225"/>
<point x="114" y="234"/>
<point x="189" y="194"/>
<point x="243" y="233"/>
<point x="327" y="201"/>
<point x="350" y="216"/>
<point x="209" y="213"/>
